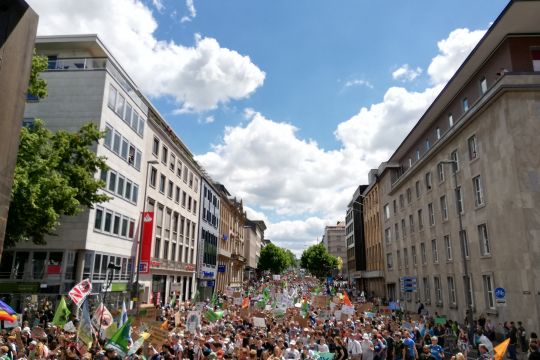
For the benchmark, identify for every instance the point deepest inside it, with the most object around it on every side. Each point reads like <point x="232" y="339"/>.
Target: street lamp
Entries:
<point x="468" y="290"/>
<point x="139" y="247"/>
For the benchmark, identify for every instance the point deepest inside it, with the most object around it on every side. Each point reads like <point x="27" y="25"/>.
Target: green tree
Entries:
<point x="291" y="258"/>
<point x="318" y="261"/>
<point x="273" y="258"/>
<point x="54" y="176"/>
<point x="36" y="85"/>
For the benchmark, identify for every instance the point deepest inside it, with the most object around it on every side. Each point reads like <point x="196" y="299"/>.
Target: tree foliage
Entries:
<point x="36" y="85"/>
<point x="318" y="261"/>
<point x="273" y="258"/>
<point x="54" y="176"/>
<point x="291" y="258"/>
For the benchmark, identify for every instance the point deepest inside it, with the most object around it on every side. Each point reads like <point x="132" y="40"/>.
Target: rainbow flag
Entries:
<point x="7" y="313"/>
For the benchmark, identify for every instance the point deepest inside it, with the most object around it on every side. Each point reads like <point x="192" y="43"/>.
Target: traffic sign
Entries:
<point x="500" y="296"/>
<point x="408" y="284"/>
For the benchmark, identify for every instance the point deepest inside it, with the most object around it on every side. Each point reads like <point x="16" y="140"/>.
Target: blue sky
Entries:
<point x="289" y="103"/>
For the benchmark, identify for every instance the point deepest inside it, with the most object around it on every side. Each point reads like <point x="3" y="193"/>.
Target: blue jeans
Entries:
<point x="512" y="352"/>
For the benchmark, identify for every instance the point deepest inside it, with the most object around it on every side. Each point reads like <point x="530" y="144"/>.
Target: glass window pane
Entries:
<point x="112" y="181"/>
<point x="98" y="219"/>
<point x="108" y="220"/>
<point x="124" y="227"/>
<point x="127" y="193"/>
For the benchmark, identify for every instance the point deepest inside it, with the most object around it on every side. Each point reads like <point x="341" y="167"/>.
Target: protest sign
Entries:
<point x="177" y="318"/>
<point x="193" y="320"/>
<point x="349" y="310"/>
<point x="319" y="301"/>
<point x="158" y="336"/>
<point x="344" y="317"/>
<point x="440" y="320"/>
<point x="80" y="291"/>
<point x="385" y="310"/>
<point x="259" y="322"/>
<point x="103" y="315"/>
<point x="276" y="277"/>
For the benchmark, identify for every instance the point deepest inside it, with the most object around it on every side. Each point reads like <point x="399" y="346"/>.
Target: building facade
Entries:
<point x="209" y="221"/>
<point x="459" y="197"/>
<point x="334" y="242"/>
<point x="231" y="241"/>
<point x="354" y="237"/>
<point x="372" y="278"/>
<point x="253" y="237"/>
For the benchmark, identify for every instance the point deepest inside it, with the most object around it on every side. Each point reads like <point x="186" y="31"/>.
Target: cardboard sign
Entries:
<point x="364" y="307"/>
<point x="440" y="320"/>
<point x="193" y="320"/>
<point x="237" y="301"/>
<point x="177" y="318"/>
<point x="349" y="310"/>
<point x="301" y="321"/>
<point x="319" y="301"/>
<point x="259" y="322"/>
<point x="80" y="291"/>
<point x="344" y="317"/>
<point x="158" y="336"/>
<point x="385" y="310"/>
<point x="245" y="314"/>
<point x="38" y="333"/>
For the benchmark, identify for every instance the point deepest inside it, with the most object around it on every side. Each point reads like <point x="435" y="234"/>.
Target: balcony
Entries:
<point x="76" y="64"/>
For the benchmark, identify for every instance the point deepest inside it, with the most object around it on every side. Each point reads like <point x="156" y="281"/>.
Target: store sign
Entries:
<point x="189" y="267"/>
<point x="207" y="274"/>
<point x="221" y="268"/>
<point x="211" y="283"/>
<point x="155" y="264"/>
<point x="146" y="242"/>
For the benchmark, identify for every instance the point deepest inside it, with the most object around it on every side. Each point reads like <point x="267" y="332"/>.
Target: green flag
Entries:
<point x="173" y="300"/>
<point x="213" y="316"/>
<point x="62" y="313"/>
<point x="214" y="300"/>
<point x="266" y="295"/>
<point x="305" y="309"/>
<point x="120" y="340"/>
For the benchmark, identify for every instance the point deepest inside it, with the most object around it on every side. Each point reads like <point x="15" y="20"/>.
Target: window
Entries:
<point x="177" y="195"/>
<point x="465" y="104"/>
<point x="413" y="253"/>
<point x="194" y="206"/>
<point x="401" y="201"/>
<point x="170" y="190"/>
<point x="417" y="154"/>
<point x="420" y="220"/>
<point x="431" y="213"/>
<point x="403" y="229"/>
<point x="460" y="200"/>
<point x="134" y="194"/>
<point x="166" y="250"/>
<point x="464" y="243"/>
<point x="387" y="236"/>
<point x="489" y="295"/>
<point x="448" y="247"/>
<point x="124" y="149"/>
<point x="155" y="147"/>
<point x="410" y="162"/>
<point x="411" y="223"/>
<point x="386" y="212"/>
<point x="444" y="208"/>
<point x="389" y="261"/>
<point x="196" y="185"/>
<point x="438" y="132"/>
<point x="189" y="203"/>
<point x="473" y="147"/>
<point x="405" y="258"/>
<point x="108" y="221"/>
<point x="485" y="247"/>
<point x="398" y="255"/>
<point x="179" y="169"/>
<point x="467" y="281"/>
<point x="172" y="163"/>
<point x="434" y="251"/>
<point x="535" y="54"/>
<point x="116" y="142"/>
<point x="120" y="102"/>
<point x="112" y="181"/>
<point x="108" y="136"/>
<point x="164" y="154"/>
<point x="125" y="223"/>
<point x="423" y="253"/>
<point x="394" y="203"/>
<point x="157" y="245"/>
<point x="120" y="188"/>
<point x="478" y="192"/>
<point x="451" y="290"/>
<point x="162" y="184"/>
<point x="409" y="195"/>
<point x="396" y="232"/>
<point x="483" y="85"/>
<point x="428" y="181"/>
<point x="440" y="172"/>
<point x="185" y="176"/>
<point x="153" y="176"/>
<point x="127" y="114"/>
<point x="428" y="145"/>
<point x="438" y="290"/>
<point x="191" y="180"/>
<point x="131" y="229"/>
<point x="455" y="157"/>
<point x="184" y="197"/>
<point x="140" y="130"/>
<point x="98" y="219"/>
<point x="112" y="97"/>
<point x="427" y="290"/>
<point x="450" y="120"/>
<point x="417" y="187"/>
<point x="116" y="224"/>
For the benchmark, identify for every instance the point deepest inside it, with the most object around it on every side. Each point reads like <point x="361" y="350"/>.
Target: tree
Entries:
<point x="291" y="258"/>
<point x="318" y="261"/>
<point x="36" y="85"/>
<point x="273" y="258"/>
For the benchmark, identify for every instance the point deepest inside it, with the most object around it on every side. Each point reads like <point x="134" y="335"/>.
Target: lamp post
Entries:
<point x="468" y="289"/>
<point x="139" y="247"/>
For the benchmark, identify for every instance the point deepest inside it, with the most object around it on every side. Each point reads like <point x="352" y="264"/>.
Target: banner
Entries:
<point x="80" y="292"/>
<point x="61" y="316"/>
<point x="259" y="322"/>
<point x="103" y="315"/>
<point x="146" y="242"/>
<point x="85" y="327"/>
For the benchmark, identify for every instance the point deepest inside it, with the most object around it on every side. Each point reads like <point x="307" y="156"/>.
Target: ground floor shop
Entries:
<point x="159" y="287"/>
<point x="233" y="274"/>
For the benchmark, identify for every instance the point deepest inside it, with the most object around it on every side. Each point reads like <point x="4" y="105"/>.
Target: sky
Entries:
<point x="288" y="103"/>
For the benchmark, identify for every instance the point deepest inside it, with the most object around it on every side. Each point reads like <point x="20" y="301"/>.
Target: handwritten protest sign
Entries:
<point x="259" y="322"/>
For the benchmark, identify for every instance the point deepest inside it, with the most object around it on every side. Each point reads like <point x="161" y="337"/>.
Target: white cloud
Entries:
<point x="405" y="73"/>
<point x="207" y="120"/>
<point x="199" y="77"/>
<point x="158" y="4"/>
<point x="358" y="82"/>
<point x="192" y="12"/>
<point x="268" y="165"/>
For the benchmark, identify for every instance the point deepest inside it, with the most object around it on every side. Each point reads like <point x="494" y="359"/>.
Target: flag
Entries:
<point x="305" y="309"/>
<point x="102" y="315"/>
<point x="62" y="313"/>
<point x="346" y="299"/>
<point x="138" y="343"/>
<point x="120" y="340"/>
<point x="123" y="315"/>
<point x="500" y="349"/>
<point x="173" y="300"/>
<point x="85" y="326"/>
<point x="266" y="295"/>
<point x="213" y="316"/>
<point x="80" y="291"/>
<point x="7" y="313"/>
<point x="214" y="299"/>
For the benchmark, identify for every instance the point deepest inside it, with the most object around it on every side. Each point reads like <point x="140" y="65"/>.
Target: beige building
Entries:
<point x="487" y="122"/>
<point x="253" y="237"/>
<point x="335" y="243"/>
<point x="372" y="279"/>
<point x="231" y="251"/>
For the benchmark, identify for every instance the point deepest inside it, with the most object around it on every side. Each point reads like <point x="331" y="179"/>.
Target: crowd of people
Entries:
<point x="272" y="320"/>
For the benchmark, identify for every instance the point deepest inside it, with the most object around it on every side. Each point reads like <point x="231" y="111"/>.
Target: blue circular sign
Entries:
<point x="500" y="293"/>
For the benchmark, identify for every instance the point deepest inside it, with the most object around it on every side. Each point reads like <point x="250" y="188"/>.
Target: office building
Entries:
<point x="334" y="242"/>
<point x="253" y="237"/>
<point x="354" y="237"/>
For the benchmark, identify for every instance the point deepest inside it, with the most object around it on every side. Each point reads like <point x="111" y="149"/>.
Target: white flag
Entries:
<point x="103" y="315"/>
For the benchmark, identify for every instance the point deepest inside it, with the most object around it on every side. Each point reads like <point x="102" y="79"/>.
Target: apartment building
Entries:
<point x="253" y="237"/>
<point x="459" y="197"/>
<point x="334" y="241"/>
<point x="354" y="237"/>
<point x="231" y="251"/>
<point x="372" y="278"/>
<point x="209" y="221"/>
<point x="173" y="196"/>
<point x="82" y="77"/>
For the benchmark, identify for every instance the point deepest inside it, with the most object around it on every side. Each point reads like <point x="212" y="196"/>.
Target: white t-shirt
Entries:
<point x="323" y="348"/>
<point x="291" y="354"/>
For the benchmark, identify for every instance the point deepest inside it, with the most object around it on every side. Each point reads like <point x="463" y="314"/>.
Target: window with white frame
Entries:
<point x="465" y="103"/>
<point x="438" y="290"/>
<point x="478" y="191"/>
<point x="405" y="258"/>
<point x="420" y="220"/>
<point x="413" y="254"/>
<point x="440" y="172"/>
<point x="428" y="181"/>
<point x="427" y="290"/>
<point x="464" y="242"/>
<point x="485" y="246"/>
<point x="386" y="210"/>
<point x="452" y="299"/>
<point x="454" y="155"/>
<point x="417" y="154"/>
<point x="444" y="208"/>
<point x="410" y="162"/>
<point x="411" y="223"/>
<point x="489" y="295"/>
<point x="450" y="120"/>
<point x="438" y="131"/>
<point x="153" y="176"/>
<point x="483" y="85"/>
<point x="460" y="200"/>
<point x="448" y="247"/>
<point x="389" y="261"/>
<point x="170" y="190"/>
<point x="431" y="213"/>
<point x="428" y="144"/>
<point x="172" y="162"/>
<point x="473" y="147"/>
<point x="423" y="253"/>
<point x="434" y="251"/>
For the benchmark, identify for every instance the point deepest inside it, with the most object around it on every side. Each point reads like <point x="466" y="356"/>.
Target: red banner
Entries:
<point x="80" y="291"/>
<point x="146" y="242"/>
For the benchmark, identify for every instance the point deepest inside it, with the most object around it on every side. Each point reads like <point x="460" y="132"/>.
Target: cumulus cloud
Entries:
<point x="358" y="82"/>
<point x="192" y="12"/>
<point x="158" y="4"/>
<point x="198" y="77"/>
<point x="265" y="162"/>
<point x="406" y="73"/>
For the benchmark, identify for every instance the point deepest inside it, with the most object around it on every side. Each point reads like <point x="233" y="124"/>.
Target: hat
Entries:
<point x="33" y="342"/>
<point x="293" y="342"/>
<point x="365" y="337"/>
<point x="26" y="329"/>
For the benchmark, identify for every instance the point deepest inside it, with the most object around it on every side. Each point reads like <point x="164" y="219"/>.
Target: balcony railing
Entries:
<point x="77" y="64"/>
